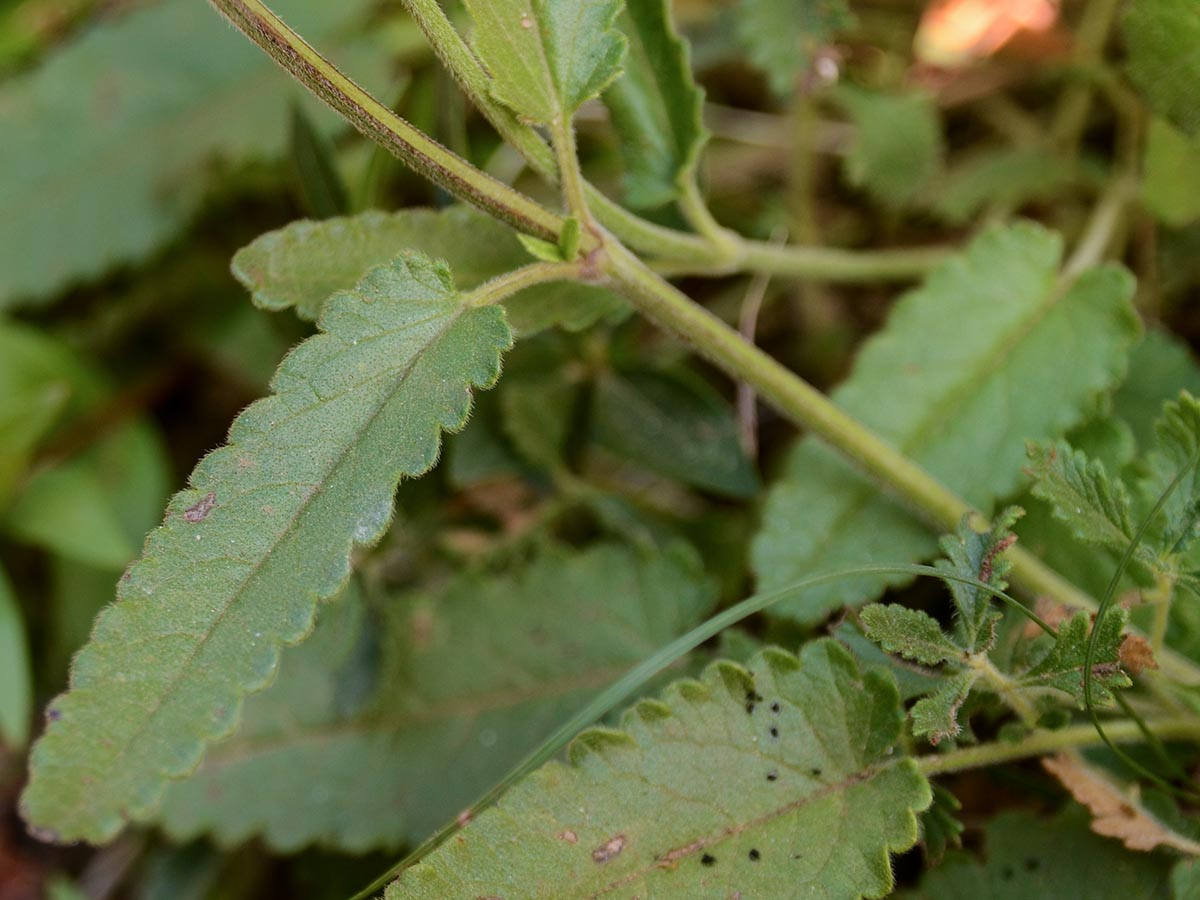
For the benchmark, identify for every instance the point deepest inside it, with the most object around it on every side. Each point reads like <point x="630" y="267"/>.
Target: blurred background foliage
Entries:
<point x="142" y="142"/>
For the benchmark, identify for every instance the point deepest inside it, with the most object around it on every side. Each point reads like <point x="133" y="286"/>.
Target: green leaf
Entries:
<point x="417" y="688"/>
<point x="940" y="826"/>
<point x="1159" y="368"/>
<point x="1163" y="41"/>
<point x="809" y="798"/>
<point x="1178" y="431"/>
<point x="1028" y="857"/>
<point x="979" y="555"/>
<point x="656" y="107"/>
<point x="547" y="57"/>
<point x="538" y="416"/>
<point x="909" y="632"/>
<point x="1083" y="495"/>
<point x="67" y="510"/>
<point x="305" y="263"/>
<point x="16" y="681"/>
<point x="1185" y="880"/>
<point x="1062" y="667"/>
<point x="321" y="185"/>
<point x="780" y="37"/>
<point x="935" y="717"/>
<point x="1171" y="174"/>
<point x="102" y="164"/>
<point x="37" y="378"/>
<point x="263" y="533"/>
<point x="1001" y="178"/>
<point x="988" y="354"/>
<point x="897" y="148"/>
<point x="675" y="425"/>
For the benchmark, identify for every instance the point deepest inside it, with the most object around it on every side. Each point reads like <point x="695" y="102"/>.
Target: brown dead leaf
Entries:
<point x="1136" y="655"/>
<point x="1116" y="814"/>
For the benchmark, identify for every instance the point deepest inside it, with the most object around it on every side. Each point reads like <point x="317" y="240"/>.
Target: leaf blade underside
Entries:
<point x="263" y="533"/>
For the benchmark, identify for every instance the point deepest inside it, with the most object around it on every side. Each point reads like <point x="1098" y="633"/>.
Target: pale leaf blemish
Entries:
<point x="200" y="510"/>
<point x="610" y="849"/>
<point x="569" y="836"/>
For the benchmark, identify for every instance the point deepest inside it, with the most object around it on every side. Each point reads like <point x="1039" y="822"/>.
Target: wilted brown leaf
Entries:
<point x="1117" y="814"/>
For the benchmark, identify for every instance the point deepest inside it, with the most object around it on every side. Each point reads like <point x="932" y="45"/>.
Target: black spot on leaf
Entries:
<point x="708" y="860"/>
<point x="755" y="856"/>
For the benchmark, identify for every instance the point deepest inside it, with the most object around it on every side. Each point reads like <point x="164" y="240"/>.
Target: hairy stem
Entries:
<point x="807" y="407"/>
<point x="1041" y="743"/>
<point x="714" y="251"/>
<point x="504" y="286"/>
<point x="374" y="119"/>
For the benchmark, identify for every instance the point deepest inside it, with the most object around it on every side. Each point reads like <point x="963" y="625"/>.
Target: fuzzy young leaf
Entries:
<point x="415" y="689"/>
<point x="546" y="57"/>
<point x="1095" y="506"/>
<point x="1062" y="668"/>
<point x="909" y="632"/>
<point x="811" y="799"/>
<point x="1027" y="857"/>
<point x="936" y="717"/>
<point x="781" y="36"/>
<point x="939" y="383"/>
<point x="1163" y="39"/>
<point x="304" y="264"/>
<point x="263" y="533"/>
<point x="656" y="107"/>
<point x="96" y="171"/>
<point x="1178" y="432"/>
<point x="897" y="148"/>
<point x="979" y="555"/>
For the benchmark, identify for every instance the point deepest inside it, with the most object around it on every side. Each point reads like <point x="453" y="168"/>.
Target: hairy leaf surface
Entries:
<point x="1027" y="857"/>
<point x="547" y="57"/>
<point x="263" y="532"/>
<point x="304" y="264"/>
<point x="102" y="163"/>
<point x="656" y="107"/>
<point x="1083" y="495"/>
<point x="436" y="695"/>
<point x="911" y="633"/>
<point x="773" y="780"/>
<point x="989" y="353"/>
<point x="1061" y="668"/>
<point x="1163" y="39"/>
<point x="1178" y="432"/>
<point x="935" y="716"/>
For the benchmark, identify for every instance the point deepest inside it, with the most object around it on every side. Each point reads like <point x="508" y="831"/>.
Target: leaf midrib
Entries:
<point x="289" y="529"/>
<point x="938" y="414"/>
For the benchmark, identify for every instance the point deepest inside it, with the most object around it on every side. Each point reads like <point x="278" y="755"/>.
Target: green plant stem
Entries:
<point x="1041" y="743"/>
<point x="1070" y="117"/>
<point x="465" y="68"/>
<point x="504" y="286"/>
<point x="808" y="408"/>
<point x="374" y="119"/>
<point x="569" y="175"/>
<point x="715" y="250"/>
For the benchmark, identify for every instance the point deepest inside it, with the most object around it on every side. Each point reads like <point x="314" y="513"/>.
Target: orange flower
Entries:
<point x="954" y="32"/>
